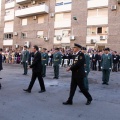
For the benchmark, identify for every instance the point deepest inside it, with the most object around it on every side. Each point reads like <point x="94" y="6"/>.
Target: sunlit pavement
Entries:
<point x="15" y="104"/>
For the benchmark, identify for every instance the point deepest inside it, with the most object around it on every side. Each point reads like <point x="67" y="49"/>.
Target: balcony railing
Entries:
<point x="9" y="17"/>
<point x="61" y="24"/>
<point x="35" y="10"/>
<point x="9" y="5"/>
<point x="7" y="42"/>
<point x="96" y="39"/>
<point x="22" y="1"/>
<point x="97" y="21"/>
<point x="63" y="6"/>
<point x="97" y="3"/>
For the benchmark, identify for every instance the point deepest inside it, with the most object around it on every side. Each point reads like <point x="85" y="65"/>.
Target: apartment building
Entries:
<point x="60" y="23"/>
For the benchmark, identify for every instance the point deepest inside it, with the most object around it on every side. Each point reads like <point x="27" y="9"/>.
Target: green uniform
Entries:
<point x="56" y="63"/>
<point x="44" y="59"/>
<point x="87" y="70"/>
<point x="25" y="57"/>
<point x="106" y="65"/>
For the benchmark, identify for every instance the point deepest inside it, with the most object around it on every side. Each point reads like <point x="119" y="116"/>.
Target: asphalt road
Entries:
<point x="15" y="104"/>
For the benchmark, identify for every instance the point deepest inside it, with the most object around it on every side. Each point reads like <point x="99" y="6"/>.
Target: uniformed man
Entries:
<point x="87" y="67"/>
<point x="106" y="65"/>
<point x="78" y="74"/>
<point x="56" y="62"/>
<point x="44" y="59"/>
<point x="25" y="58"/>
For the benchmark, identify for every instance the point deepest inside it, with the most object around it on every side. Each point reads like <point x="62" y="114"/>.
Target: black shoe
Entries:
<point x="0" y="78"/>
<point x="0" y="86"/>
<point x="103" y="83"/>
<point x="41" y="91"/>
<point x="24" y="74"/>
<point x="68" y="103"/>
<point x="54" y="77"/>
<point x="26" y="90"/>
<point x="88" y="102"/>
<point x="43" y="75"/>
<point x="106" y="83"/>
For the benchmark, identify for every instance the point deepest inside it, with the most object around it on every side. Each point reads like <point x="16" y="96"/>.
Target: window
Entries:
<point x="91" y="30"/>
<point x="24" y="35"/>
<point x="24" y="21"/>
<point x="98" y="12"/>
<point x="99" y="30"/>
<point x="63" y="32"/>
<point x="9" y="12"/>
<point x="8" y="1"/>
<point x="9" y="24"/>
<point x="40" y="34"/>
<point x="40" y="19"/>
<point x="62" y="17"/>
<point x="8" y="36"/>
<point x="66" y="33"/>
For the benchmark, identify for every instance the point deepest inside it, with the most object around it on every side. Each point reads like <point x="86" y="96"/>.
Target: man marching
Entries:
<point x="78" y="74"/>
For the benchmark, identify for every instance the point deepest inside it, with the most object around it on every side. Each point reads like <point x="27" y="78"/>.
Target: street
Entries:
<point x="15" y="104"/>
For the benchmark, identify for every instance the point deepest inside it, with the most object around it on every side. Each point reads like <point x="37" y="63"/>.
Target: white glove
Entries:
<point x="26" y="61"/>
<point x="109" y="68"/>
<point x="101" y="67"/>
<point x="60" y="65"/>
<point x="85" y="71"/>
<point x="45" y="64"/>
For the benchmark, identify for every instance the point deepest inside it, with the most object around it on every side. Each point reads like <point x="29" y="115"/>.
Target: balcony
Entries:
<point x="8" y="42"/>
<point x="63" y="41"/>
<point x="97" y="3"/>
<point x="97" y="21"/>
<point x="62" y="24"/>
<point x="40" y="9"/>
<point x="96" y="38"/>
<point x="10" y="5"/>
<point x="63" y="7"/>
<point x="22" y="1"/>
<point x="8" y="29"/>
<point x="9" y="17"/>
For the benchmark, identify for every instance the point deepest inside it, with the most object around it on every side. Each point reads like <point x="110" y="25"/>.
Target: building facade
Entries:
<point x="60" y="23"/>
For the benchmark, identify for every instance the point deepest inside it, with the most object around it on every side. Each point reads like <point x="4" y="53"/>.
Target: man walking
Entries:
<point x="44" y="58"/>
<point x="78" y="74"/>
<point x="106" y="65"/>
<point x="36" y="71"/>
<point x="25" y="59"/>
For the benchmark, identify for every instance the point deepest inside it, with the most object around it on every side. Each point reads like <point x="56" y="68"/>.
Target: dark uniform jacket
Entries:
<point x="77" y="68"/>
<point x="36" y="64"/>
<point x="115" y="58"/>
<point x="1" y="62"/>
<point x="95" y="57"/>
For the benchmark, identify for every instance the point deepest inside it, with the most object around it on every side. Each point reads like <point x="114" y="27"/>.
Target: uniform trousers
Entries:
<point x="80" y="83"/>
<point x="25" y="67"/>
<point x="105" y="75"/>
<point x="56" y="71"/>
